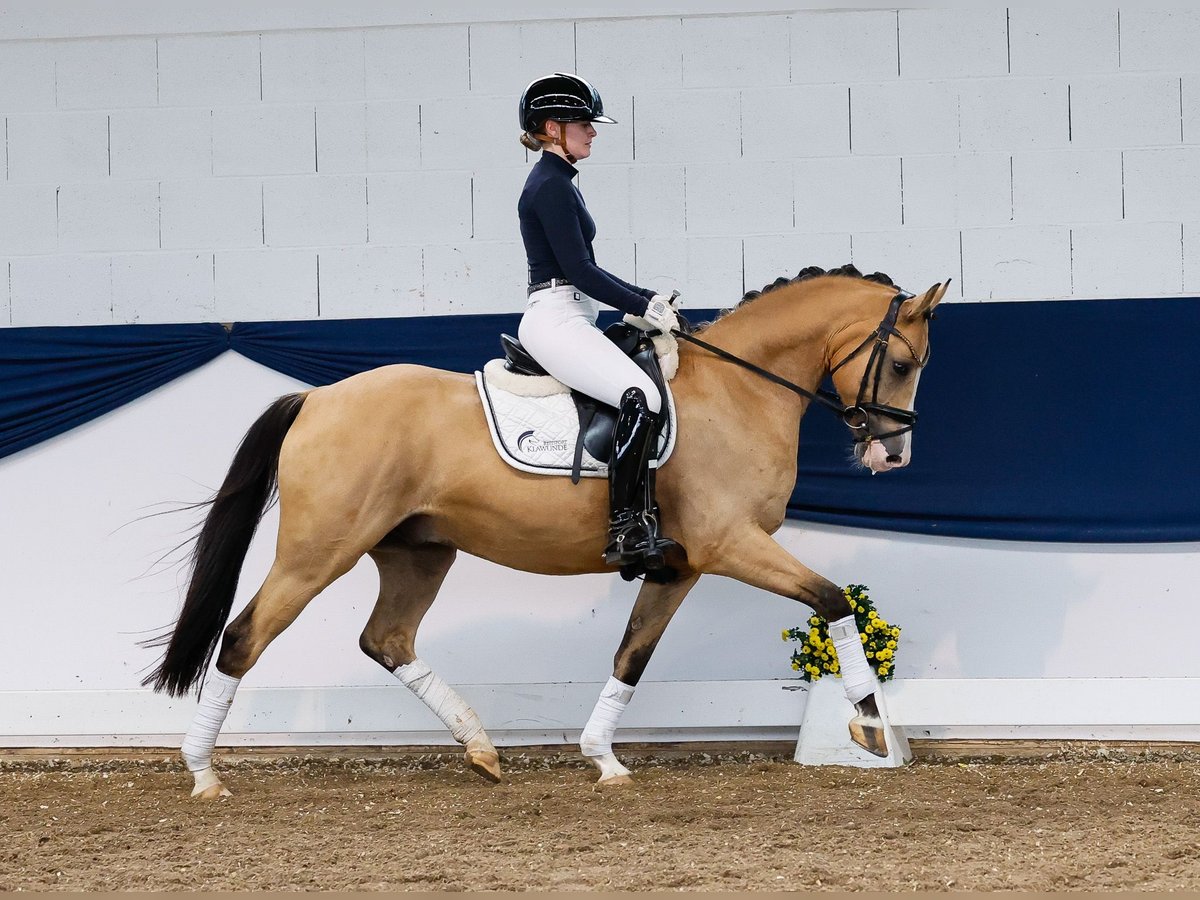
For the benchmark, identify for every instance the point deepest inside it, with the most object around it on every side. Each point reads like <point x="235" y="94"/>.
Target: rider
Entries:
<point x="565" y="290"/>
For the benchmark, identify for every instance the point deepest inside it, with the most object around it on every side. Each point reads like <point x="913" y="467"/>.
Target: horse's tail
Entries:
<point x="220" y="549"/>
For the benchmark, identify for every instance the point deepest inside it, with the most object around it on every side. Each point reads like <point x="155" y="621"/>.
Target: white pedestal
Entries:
<point x="825" y="738"/>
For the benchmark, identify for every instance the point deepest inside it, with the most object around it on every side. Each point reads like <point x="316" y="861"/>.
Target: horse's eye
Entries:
<point x="901" y="368"/>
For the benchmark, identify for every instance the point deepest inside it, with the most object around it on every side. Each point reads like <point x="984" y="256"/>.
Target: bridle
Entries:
<point x="858" y="416"/>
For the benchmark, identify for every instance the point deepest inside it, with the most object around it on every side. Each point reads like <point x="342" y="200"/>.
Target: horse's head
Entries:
<point x="876" y="376"/>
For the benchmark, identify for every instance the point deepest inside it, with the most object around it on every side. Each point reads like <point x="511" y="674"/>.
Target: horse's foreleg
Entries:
<point x="756" y="559"/>
<point x="655" y="605"/>
<point x="409" y="579"/>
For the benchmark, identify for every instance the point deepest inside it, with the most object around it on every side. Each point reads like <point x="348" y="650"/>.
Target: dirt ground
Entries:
<point x="1094" y="819"/>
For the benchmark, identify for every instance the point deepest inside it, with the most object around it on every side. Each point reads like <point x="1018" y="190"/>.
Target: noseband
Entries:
<point x="858" y="416"/>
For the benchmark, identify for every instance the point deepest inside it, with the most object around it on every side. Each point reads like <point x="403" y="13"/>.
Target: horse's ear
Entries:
<point x="921" y="307"/>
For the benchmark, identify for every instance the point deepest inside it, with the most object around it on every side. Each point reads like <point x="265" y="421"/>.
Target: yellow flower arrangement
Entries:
<point x="817" y="656"/>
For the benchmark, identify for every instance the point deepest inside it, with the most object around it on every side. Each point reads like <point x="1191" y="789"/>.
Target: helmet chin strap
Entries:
<point x="560" y="140"/>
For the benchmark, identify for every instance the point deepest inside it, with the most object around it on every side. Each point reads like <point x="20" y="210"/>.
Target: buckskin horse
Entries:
<point x="397" y="463"/>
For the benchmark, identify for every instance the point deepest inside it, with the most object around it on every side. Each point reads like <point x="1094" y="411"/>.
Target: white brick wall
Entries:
<point x="735" y="50"/>
<point x="358" y="282"/>
<point x="1058" y="40"/>
<point x="844" y="46"/>
<point x="304" y="211"/>
<point x="163" y="287"/>
<point x="253" y="285"/>
<point x="1125" y="111"/>
<point x="1059" y="148"/>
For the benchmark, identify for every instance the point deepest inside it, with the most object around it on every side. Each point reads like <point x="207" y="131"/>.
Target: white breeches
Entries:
<point x="559" y="331"/>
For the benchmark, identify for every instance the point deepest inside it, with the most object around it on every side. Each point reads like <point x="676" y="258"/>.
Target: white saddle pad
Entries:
<point x="538" y="433"/>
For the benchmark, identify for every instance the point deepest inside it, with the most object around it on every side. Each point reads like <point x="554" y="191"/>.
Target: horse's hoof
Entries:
<point x="613" y="781"/>
<point x="212" y="792"/>
<point x="485" y="763"/>
<point x="869" y="734"/>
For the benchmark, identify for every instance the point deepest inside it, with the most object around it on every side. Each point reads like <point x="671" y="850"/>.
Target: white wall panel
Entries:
<point x="769" y="256"/>
<point x="904" y="117"/>
<point x="461" y="132"/>
<point x="1127" y="259"/>
<point x="746" y="198"/>
<point x="27" y="77"/>
<point x="217" y="213"/>
<point x="342" y="138"/>
<point x="494" y="195"/>
<point x="1191" y="256"/>
<point x="107" y="73"/>
<point x="5" y="302"/>
<point x="1017" y="114"/>
<point x="28" y="219"/>
<point x="1017" y="263"/>
<point x="613" y="143"/>
<point x="1063" y="40"/>
<point x="264" y="140"/>
<point x="161" y="143"/>
<point x="1163" y="38"/>
<point x="60" y="290"/>
<point x="423" y="61"/>
<point x="915" y="257"/>
<point x="393" y="135"/>
<point x="953" y="42"/>
<point x="619" y="256"/>
<point x="1189" y="103"/>
<point x="1125" y="111"/>
<point x="204" y="69"/>
<point x="642" y="200"/>
<point x="307" y="66"/>
<point x="419" y="207"/>
<point x="843" y="45"/>
<point x="1162" y="185"/>
<point x="115" y="215"/>
<point x="253" y="285"/>
<point x="725" y="51"/>
<point x="57" y="146"/>
<point x="1067" y="186"/>
<point x="371" y="281"/>
<point x="163" y="287"/>
<point x="788" y="122"/>
<point x="666" y="125"/>
<point x="962" y="189"/>
<point x="630" y="55"/>
<point x="475" y="277"/>
<point x="506" y="56"/>
<point x="606" y="191"/>
<point x="315" y="209"/>
<point x="847" y="194"/>
<point x="707" y="270"/>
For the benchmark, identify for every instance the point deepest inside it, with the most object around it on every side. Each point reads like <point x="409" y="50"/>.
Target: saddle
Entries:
<point x="596" y="420"/>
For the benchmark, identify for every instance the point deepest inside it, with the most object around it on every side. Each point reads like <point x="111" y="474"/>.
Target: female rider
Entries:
<point x="565" y="290"/>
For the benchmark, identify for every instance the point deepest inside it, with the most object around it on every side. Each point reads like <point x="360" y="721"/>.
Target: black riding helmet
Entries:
<point x="563" y="98"/>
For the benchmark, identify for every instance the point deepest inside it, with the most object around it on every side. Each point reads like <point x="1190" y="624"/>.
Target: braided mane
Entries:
<point x="845" y="271"/>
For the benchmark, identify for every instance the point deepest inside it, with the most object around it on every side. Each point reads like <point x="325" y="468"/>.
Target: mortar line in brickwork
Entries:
<point x="316" y="152"/>
<point x="367" y="204"/>
<point x="1182" y="263"/>
<point x="897" y="43"/>
<point x="1118" y="39"/>
<point x="318" y="285"/>
<point x="962" y="287"/>
<point x="472" y="206"/>
<point x="1070" y="129"/>
<point x="743" y="243"/>
<point x="1012" y="192"/>
<point x="260" y="78"/>
<point x="157" y="77"/>
<point x="1071" y="266"/>
<point x="632" y="124"/>
<point x="420" y="138"/>
<point x="1008" y="37"/>
<point x="902" y="190"/>
<point x="575" y="46"/>
<point x="262" y="210"/>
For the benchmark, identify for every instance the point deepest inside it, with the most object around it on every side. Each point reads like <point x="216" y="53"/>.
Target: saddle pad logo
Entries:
<point x="529" y="442"/>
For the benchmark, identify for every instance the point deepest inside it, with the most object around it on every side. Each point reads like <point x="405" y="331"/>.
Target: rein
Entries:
<point x="856" y="417"/>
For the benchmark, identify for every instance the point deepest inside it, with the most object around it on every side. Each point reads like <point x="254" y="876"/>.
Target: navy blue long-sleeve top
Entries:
<point x="558" y="232"/>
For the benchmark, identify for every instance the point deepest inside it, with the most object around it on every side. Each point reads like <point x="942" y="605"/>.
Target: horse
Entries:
<point x="396" y="463"/>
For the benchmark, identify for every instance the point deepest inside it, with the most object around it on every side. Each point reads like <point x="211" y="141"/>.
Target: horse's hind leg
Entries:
<point x="655" y="606"/>
<point x="288" y="588"/>
<point x="409" y="579"/>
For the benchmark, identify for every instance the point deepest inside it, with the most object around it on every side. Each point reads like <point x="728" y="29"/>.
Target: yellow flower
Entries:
<point x="872" y="614"/>
<point x="891" y="645"/>
<point x="870" y="654"/>
<point x="795" y="667"/>
<point x="814" y="620"/>
<point x="785" y="634"/>
<point x="863" y="638"/>
<point x="884" y="669"/>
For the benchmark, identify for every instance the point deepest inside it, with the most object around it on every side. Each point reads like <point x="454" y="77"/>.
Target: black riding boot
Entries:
<point x="634" y="539"/>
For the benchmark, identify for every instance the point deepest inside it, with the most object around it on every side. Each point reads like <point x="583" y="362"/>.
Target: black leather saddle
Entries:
<point x="596" y="420"/>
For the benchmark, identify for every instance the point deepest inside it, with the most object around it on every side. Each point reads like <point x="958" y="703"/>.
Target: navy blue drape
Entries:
<point x="1048" y="421"/>
<point x="52" y="379"/>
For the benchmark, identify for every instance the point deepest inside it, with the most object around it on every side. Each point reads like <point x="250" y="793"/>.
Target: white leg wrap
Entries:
<point x="445" y="702"/>
<point x="215" y="699"/>
<point x="597" y="736"/>
<point x="857" y="677"/>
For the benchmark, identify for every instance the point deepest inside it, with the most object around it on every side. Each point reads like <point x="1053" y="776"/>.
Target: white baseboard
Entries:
<point x="1157" y="709"/>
